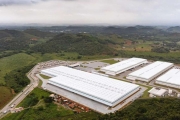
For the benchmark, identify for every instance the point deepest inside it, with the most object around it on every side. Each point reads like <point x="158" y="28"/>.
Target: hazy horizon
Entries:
<point x="90" y="12"/>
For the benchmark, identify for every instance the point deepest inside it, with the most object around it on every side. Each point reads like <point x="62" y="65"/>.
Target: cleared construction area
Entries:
<point x="123" y="66"/>
<point x="150" y="72"/>
<point x="170" y="78"/>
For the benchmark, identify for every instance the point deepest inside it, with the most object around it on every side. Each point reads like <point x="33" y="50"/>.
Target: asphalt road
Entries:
<point x="23" y="94"/>
<point x="33" y="83"/>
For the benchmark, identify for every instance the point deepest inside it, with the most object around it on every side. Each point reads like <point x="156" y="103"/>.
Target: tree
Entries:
<point x="48" y="100"/>
<point x="79" y="57"/>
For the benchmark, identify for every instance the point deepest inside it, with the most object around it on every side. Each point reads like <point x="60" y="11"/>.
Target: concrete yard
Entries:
<point x="87" y="69"/>
<point x="101" y="108"/>
<point x="95" y="64"/>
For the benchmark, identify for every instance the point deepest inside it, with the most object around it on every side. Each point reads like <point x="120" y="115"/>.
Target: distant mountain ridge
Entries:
<point x="174" y="29"/>
<point x="39" y="33"/>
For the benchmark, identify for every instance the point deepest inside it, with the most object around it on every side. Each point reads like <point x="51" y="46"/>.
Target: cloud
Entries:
<point x="109" y="12"/>
<point x="18" y="2"/>
<point x="22" y="2"/>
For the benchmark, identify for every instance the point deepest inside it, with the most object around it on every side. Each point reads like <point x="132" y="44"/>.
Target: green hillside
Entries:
<point x="21" y="40"/>
<point x="7" y="65"/>
<point x="13" y="62"/>
<point x="80" y="43"/>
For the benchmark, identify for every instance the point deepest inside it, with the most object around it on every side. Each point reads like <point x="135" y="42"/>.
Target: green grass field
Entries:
<point x="44" y="76"/>
<point x="5" y="95"/>
<point x="13" y="62"/>
<point x="40" y="83"/>
<point x="146" y="94"/>
<point x="38" y="92"/>
<point x="111" y="61"/>
<point x="8" y="64"/>
<point x="50" y="56"/>
<point x="141" y="46"/>
<point x="67" y="56"/>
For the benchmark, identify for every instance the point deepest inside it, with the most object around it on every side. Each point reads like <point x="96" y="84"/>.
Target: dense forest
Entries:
<point x="17" y="79"/>
<point x="148" y="109"/>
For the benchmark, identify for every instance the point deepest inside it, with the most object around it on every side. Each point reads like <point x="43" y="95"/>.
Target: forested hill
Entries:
<point x="21" y="40"/>
<point x="13" y="40"/>
<point x="83" y="44"/>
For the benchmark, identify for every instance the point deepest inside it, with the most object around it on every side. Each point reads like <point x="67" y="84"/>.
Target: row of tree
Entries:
<point x="17" y="79"/>
<point x="148" y="109"/>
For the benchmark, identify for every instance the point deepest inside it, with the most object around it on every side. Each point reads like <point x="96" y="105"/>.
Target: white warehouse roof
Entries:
<point x="170" y="78"/>
<point x="123" y="66"/>
<point x="99" y="88"/>
<point x="151" y="71"/>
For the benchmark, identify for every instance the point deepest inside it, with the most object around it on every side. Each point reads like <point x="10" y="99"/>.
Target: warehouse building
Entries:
<point x="102" y="89"/>
<point x="170" y="78"/>
<point x="94" y="91"/>
<point x="150" y="72"/>
<point x="122" y="66"/>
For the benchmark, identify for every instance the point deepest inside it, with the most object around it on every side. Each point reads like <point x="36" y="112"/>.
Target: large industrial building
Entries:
<point x="150" y="72"/>
<point x="98" y="88"/>
<point x="122" y="66"/>
<point x="170" y="78"/>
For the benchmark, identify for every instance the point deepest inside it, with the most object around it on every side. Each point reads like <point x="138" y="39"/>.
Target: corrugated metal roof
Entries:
<point x="170" y="77"/>
<point x="99" y="88"/>
<point x="151" y="70"/>
<point x="124" y="64"/>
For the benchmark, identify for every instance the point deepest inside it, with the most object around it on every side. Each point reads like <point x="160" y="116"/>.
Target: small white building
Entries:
<point x="170" y="91"/>
<point x="123" y="66"/>
<point x="74" y="65"/>
<point x="149" y="72"/>
<point x="157" y="92"/>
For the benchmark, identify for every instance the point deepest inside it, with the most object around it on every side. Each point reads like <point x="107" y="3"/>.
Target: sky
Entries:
<point x="90" y="12"/>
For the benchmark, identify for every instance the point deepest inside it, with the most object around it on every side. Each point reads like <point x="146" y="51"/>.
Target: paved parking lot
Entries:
<point x="87" y="69"/>
<point x="95" y="64"/>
